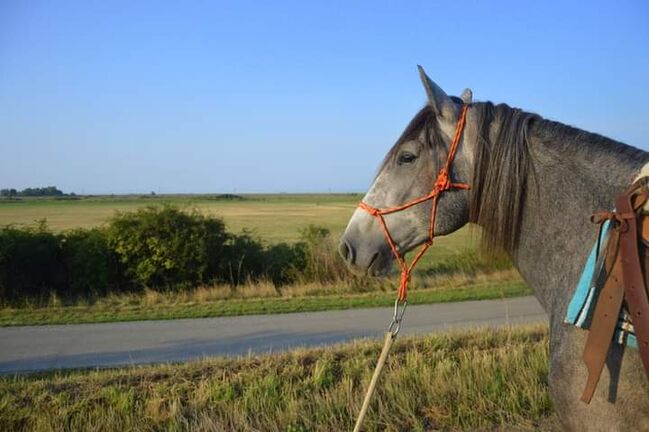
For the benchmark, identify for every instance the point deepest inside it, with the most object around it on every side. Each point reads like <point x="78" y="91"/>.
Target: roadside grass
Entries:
<point x="219" y="301"/>
<point x="480" y="380"/>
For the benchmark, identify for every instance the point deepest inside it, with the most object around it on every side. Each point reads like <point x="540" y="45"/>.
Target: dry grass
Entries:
<point x="481" y="380"/>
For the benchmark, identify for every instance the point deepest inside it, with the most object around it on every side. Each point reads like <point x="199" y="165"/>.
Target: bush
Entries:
<point x="247" y="259"/>
<point x="283" y="263"/>
<point x="162" y="247"/>
<point x="91" y="266"/>
<point x="30" y="263"/>
<point x="243" y="259"/>
<point x="313" y="259"/>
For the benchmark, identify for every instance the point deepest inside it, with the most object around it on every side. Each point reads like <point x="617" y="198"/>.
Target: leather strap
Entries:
<point x="624" y="264"/>
<point x="604" y="319"/>
<point x="635" y="290"/>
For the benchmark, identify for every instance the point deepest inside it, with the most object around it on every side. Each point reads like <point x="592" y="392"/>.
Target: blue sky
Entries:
<point x="139" y="96"/>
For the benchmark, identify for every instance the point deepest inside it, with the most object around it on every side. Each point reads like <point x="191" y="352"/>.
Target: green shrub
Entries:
<point x="283" y="263"/>
<point x="243" y="259"/>
<point x="162" y="247"/>
<point x="30" y="263"/>
<point x="91" y="266"/>
<point x="247" y="259"/>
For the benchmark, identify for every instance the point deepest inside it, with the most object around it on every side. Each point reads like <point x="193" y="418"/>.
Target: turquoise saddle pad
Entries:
<point x="582" y="304"/>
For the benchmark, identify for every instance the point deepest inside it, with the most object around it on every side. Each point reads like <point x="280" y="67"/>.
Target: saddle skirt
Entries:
<point x="582" y="305"/>
<point x="611" y="298"/>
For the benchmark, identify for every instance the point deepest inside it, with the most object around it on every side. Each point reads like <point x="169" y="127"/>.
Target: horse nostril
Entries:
<point x="345" y="251"/>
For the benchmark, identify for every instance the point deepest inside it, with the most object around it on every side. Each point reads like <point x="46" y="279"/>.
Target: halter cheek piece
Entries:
<point x="442" y="184"/>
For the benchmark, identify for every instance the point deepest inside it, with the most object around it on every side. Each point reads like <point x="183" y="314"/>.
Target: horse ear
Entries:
<point x="467" y="96"/>
<point x="438" y="100"/>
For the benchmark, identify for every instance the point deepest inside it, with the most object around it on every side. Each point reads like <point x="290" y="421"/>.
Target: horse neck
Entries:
<point x="576" y="173"/>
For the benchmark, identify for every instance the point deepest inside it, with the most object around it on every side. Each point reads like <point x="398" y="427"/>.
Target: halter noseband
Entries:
<point x="442" y="183"/>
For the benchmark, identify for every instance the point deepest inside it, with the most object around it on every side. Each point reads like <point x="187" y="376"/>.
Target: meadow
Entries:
<point x="453" y="270"/>
<point x="478" y="380"/>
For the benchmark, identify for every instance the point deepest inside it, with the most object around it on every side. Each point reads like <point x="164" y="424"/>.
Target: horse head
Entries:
<point x="409" y="171"/>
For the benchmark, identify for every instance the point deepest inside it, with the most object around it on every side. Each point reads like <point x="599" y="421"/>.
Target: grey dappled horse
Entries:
<point x="534" y="184"/>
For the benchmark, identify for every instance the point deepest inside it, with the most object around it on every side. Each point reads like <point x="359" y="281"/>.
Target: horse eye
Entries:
<point x="406" y="157"/>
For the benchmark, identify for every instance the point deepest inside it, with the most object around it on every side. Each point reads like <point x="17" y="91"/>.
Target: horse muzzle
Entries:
<point x="365" y="251"/>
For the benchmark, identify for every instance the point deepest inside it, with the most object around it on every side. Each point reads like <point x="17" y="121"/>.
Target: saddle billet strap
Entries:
<point x="604" y="319"/>
<point x="624" y="281"/>
<point x="635" y="290"/>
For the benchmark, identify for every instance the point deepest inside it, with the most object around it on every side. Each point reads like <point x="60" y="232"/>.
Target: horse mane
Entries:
<point x="504" y="170"/>
<point x="501" y="173"/>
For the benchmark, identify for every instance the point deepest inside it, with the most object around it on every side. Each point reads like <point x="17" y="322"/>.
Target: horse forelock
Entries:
<point x="424" y="121"/>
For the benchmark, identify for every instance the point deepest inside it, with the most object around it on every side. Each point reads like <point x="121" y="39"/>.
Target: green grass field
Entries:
<point x="480" y="380"/>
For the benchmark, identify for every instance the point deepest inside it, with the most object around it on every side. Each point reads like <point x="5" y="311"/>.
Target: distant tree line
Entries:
<point x="32" y="192"/>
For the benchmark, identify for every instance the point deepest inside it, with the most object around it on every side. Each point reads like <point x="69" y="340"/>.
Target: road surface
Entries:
<point x="32" y="348"/>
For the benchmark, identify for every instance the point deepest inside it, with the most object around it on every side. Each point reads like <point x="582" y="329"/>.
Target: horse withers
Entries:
<point x="534" y="184"/>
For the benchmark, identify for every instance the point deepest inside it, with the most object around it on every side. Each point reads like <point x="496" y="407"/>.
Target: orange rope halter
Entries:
<point x="442" y="183"/>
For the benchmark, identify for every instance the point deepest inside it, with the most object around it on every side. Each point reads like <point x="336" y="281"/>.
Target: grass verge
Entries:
<point x="479" y="380"/>
<point x="139" y="308"/>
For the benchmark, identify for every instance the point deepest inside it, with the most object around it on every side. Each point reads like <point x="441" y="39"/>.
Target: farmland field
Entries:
<point x="273" y="217"/>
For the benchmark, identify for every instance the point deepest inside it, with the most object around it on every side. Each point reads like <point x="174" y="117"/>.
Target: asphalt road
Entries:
<point x="24" y="349"/>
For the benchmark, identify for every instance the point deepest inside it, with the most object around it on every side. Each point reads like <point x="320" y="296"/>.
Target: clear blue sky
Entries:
<point x="135" y="96"/>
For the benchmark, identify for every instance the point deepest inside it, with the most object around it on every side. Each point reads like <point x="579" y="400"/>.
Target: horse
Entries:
<point x="534" y="183"/>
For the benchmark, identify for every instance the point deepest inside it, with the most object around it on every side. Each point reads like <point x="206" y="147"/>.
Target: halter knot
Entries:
<point x="368" y="208"/>
<point x="443" y="181"/>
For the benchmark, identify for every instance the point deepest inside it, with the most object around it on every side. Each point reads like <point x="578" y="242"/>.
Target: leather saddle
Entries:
<point x="625" y="281"/>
